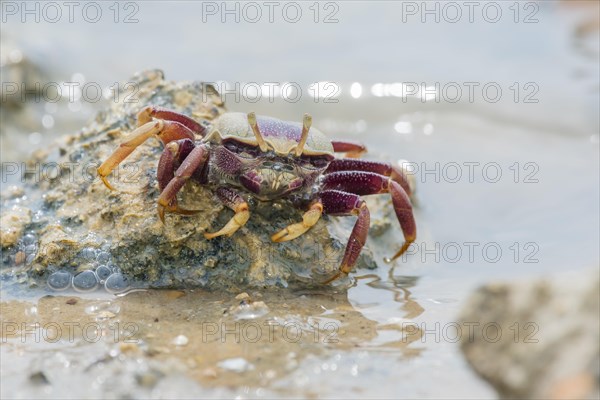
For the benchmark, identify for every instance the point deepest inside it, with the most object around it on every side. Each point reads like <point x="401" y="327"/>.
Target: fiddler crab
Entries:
<point x="268" y="159"/>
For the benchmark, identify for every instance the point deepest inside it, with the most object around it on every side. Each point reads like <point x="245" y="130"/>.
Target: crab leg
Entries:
<point x="173" y="155"/>
<point x="309" y="219"/>
<point x="166" y="131"/>
<point x="336" y="202"/>
<point x="382" y="168"/>
<point x="352" y="149"/>
<point x="150" y="112"/>
<point x="237" y="203"/>
<point x="364" y="183"/>
<point x="195" y="160"/>
<point x="171" y="158"/>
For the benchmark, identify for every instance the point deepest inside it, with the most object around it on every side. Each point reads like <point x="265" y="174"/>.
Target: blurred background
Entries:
<point x="440" y="84"/>
<point x="541" y="55"/>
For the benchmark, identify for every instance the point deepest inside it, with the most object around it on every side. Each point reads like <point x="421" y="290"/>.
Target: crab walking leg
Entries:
<point x="194" y="161"/>
<point x="237" y="203"/>
<point x="404" y="213"/>
<point x="171" y="158"/>
<point x="166" y="131"/>
<point x="336" y="202"/>
<point x="309" y="219"/>
<point x="364" y="183"/>
<point x="150" y="112"/>
<point x="352" y="149"/>
<point x="382" y="168"/>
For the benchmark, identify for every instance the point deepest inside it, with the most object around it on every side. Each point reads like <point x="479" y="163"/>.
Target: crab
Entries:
<point x="239" y="155"/>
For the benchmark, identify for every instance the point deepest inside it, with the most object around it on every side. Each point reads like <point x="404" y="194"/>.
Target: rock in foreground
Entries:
<point x="537" y="340"/>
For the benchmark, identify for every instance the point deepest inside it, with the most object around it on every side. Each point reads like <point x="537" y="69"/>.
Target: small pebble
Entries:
<point x="85" y="281"/>
<point x="29" y="239"/>
<point x="30" y="249"/>
<point x="72" y="301"/>
<point x="89" y="253"/>
<point x="104" y="314"/>
<point x="210" y="262"/>
<point x="149" y="379"/>
<point x="128" y="347"/>
<point x="237" y="364"/>
<point x="38" y="378"/>
<point x="60" y="280"/>
<point x="180" y="340"/>
<point x="19" y="258"/>
<point x="103" y="257"/>
<point x="103" y="272"/>
<point x="242" y="296"/>
<point x="116" y="283"/>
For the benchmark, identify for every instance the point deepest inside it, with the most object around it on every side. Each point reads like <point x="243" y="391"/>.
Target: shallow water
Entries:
<point x="392" y="333"/>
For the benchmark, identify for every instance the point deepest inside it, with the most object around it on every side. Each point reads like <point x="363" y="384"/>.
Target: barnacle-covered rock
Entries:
<point x="78" y="224"/>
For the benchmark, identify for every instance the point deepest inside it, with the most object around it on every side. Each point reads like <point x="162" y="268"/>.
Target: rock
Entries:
<point x="536" y="339"/>
<point x="21" y="86"/>
<point x="12" y="225"/>
<point x="149" y="378"/>
<point x="21" y="78"/>
<point x="38" y="378"/>
<point x="72" y="211"/>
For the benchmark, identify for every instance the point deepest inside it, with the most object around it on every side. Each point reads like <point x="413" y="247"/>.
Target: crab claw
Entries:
<point x="309" y="219"/>
<point x="239" y="219"/>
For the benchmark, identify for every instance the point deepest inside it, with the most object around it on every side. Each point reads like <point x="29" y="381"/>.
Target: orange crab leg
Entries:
<point x="166" y="131"/>
<point x="168" y="126"/>
<point x="150" y="112"/>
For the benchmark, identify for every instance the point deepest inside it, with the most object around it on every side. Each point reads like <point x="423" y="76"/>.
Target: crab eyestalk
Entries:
<point x="306" y="124"/>
<point x="254" y="125"/>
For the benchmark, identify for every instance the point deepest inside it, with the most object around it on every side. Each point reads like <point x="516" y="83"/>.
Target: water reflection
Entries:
<point x="202" y="333"/>
<point x="396" y="330"/>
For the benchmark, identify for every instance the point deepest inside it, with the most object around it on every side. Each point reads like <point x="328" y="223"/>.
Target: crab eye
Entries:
<point x="241" y="149"/>
<point x="234" y="146"/>
<point x="315" y="162"/>
<point x="230" y="146"/>
<point x="319" y="162"/>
